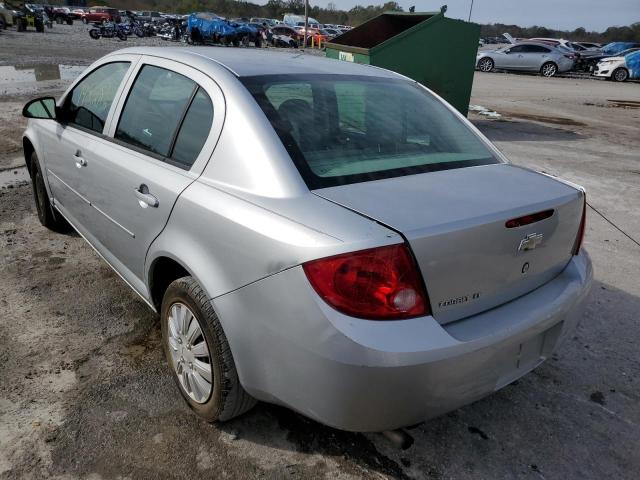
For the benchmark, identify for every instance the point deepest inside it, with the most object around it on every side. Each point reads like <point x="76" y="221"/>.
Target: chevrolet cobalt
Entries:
<point x="322" y="235"/>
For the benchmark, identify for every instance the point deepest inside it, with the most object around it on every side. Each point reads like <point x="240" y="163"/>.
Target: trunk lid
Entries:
<point x="454" y="221"/>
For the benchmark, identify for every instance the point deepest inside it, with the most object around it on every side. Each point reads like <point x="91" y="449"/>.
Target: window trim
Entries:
<point x="202" y="80"/>
<point x="153" y="154"/>
<point x="116" y="98"/>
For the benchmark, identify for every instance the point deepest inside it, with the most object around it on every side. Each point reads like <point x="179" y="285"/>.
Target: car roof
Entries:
<point x="245" y="62"/>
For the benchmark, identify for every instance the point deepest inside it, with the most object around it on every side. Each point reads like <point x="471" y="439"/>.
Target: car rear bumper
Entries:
<point x="292" y="349"/>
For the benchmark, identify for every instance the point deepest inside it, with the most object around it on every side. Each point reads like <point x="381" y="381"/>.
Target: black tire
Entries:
<point x="227" y="399"/>
<point x="258" y="41"/>
<point x="39" y="26"/>
<point x="620" y="75"/>
<point x="549" y="69"/>
<point x="21" y="26"/>
<point x="121" y="35"/>
<point x="3" y="24"/>
<point x="94" y="33"/>
<point x="139" y="33"/>
<point x="69" y="21"/>
<point x="48" y="217"/>
<point x="196" y="36"/>
<point x="59" y="20"/>
<point x="236" y="42"/>
<point x="486" y="64"/>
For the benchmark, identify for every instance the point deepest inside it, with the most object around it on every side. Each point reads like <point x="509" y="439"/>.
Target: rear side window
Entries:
<point x="90" y="101"/>
<point x="167" y="115"/>
<point x="194" y="130"/>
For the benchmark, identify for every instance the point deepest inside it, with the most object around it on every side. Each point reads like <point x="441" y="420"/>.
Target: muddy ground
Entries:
<point x="85" y="393"/>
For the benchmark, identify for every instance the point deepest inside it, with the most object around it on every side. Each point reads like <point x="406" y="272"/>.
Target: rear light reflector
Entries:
<point x="376" y="284"/>
<point x="528" y="219"/>
<point x="583" y="221"/>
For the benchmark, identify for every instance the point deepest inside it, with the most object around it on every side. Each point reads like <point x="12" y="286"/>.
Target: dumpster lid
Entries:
<point x="380" y="29"/>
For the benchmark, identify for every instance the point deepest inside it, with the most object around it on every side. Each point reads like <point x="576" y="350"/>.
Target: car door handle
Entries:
<point x="80" y="162"/>
<point x="145" y="199"/>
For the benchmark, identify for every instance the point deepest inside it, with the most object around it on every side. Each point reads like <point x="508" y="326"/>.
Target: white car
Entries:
<point x="619" y="68"/>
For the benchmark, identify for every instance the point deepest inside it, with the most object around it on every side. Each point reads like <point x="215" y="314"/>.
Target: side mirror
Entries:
<point x="44" y="108"/>
<point x="507" y="51"/>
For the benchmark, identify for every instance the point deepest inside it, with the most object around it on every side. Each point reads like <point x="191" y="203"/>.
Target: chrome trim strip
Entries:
<point x="129" y="232"/>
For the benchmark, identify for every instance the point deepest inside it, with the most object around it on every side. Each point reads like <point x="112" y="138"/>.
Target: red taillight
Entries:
<point x="528" y="219"/>
<point x="578" y="243"/>
<point x="378" y="284"/>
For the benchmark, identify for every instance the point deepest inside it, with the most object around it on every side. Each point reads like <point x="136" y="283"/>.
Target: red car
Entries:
<point x="100" y="14"/>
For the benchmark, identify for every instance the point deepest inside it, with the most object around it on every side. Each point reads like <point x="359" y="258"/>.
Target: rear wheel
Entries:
<point x="549" y="69"/>
<point x="94" y="33"/>
<point x="485" y="64"/>
<point x="620" y="74"/>
<point x="198" y="353"/>
<point x="121" y="35"/>
<point x="46" y="214"/>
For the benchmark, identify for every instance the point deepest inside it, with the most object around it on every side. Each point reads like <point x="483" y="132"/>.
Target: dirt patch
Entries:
<point x="624" y="103"/>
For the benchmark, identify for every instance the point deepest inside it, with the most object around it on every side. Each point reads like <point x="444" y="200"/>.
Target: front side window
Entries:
<point x="166" y="114"/>
<point x="342" y="129"/>
<point x="90" y="101"/>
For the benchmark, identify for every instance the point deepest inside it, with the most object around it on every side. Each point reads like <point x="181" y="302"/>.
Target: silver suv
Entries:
<point x="324" y="235"/>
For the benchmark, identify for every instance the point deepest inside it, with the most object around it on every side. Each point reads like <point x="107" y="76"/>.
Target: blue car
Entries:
<point x="206" y="27"/>
<point x="621" y="67"/>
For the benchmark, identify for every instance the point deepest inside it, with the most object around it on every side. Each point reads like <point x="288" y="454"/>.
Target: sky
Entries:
<point x="558" y="14"/>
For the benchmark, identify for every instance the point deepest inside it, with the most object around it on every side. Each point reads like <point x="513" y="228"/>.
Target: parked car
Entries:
<point x="99" y="15"/>
<point x="62" y="15"/>
<point x="589" y="45"/>
<point x="366" y="267"/>
<point x="589" y="59"/>
<point x="149" y="16"/>
<point x="6" y="16"/>
<point x="526" y="56"/>
<point x="622" y="67"/>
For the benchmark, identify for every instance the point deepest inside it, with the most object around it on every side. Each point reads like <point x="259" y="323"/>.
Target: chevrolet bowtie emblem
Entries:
<point x="530" y="242"/>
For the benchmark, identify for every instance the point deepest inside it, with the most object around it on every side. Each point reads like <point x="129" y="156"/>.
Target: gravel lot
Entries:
<point x="85" y="393"/>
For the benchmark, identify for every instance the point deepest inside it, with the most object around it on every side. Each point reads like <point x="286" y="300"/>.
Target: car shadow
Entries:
<point x="523" y="131"/>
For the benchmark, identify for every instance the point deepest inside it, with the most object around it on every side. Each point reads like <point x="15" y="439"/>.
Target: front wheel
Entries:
<point x="485" y="64"/>
<point x="121" y="35"/>
<point x="549" y="69"/>
<point x="620" y="74"/>
<point x="94" y="33"/>
<point x="46" y="215"/>
<point x="198" y="353"/>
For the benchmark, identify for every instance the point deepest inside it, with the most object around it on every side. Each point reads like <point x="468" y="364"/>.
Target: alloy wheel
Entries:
<point x="191" y="358"/>
<point x="549" y="69"/>
<point x="485" y="65"/>
<point x="620" y="75"/>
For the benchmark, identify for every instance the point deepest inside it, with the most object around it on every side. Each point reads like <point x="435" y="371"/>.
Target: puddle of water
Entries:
<point x="38" y="73"/>
<point x="13" y="176"/>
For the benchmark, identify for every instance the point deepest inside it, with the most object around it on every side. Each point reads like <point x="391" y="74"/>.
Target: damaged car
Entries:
<point x="318" y="234"/>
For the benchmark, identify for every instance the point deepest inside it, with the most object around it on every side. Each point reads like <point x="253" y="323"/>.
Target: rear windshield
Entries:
<point x="342" y="129"/>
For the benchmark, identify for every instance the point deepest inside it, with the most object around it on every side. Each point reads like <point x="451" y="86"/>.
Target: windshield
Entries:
<point x="342" y="129"/>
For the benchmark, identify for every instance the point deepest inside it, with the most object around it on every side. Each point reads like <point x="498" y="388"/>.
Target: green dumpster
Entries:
<point x="436" y="51"/>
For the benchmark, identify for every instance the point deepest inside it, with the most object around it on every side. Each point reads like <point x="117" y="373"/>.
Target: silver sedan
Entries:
<point x="527" y="57"/>
<point x="322" y="235"/>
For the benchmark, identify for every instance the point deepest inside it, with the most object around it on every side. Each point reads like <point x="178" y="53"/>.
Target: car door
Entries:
<point x="536" y="56"/>
<point x="514" y="59"/>
<point x="68" y="144"/>
<point x="160" y="138"/>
